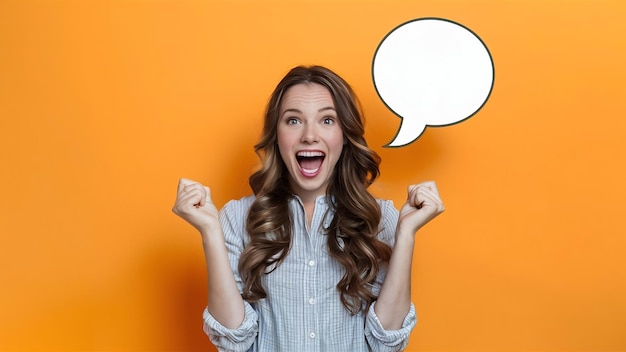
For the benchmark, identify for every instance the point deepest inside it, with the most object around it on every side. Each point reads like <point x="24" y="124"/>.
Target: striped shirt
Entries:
<point x="303" y="311"/>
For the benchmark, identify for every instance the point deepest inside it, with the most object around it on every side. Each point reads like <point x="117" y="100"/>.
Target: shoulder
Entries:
<point x="386" y="207"/>
<point x="238" y="205"/>
<point x="237" y="208"/>
<point x="233" y="216"/>
<point x="388" y="221"/>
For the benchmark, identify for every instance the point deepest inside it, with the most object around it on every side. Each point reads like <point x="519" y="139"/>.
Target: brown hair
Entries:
<point x="352" y="233"/>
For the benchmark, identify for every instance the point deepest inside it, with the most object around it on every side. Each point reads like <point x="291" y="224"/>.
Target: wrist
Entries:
<point x="209" y="232"/>
<point x="405" y="237"/>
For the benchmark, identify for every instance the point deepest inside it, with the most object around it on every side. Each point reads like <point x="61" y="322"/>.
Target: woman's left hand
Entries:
<point x="423" y="204"/>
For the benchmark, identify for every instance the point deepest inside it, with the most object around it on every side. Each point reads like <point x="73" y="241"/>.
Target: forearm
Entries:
<point x="224" y="299"/>
<point x="394" y="300"/>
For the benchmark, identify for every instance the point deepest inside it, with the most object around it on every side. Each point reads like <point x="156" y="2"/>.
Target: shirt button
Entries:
<point x="311" y="300"/>
<point x="311" y="263"/>
<point x="312" y="335"/>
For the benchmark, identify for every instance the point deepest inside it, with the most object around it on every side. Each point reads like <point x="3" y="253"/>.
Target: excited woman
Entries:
<point x="311" y="261"/>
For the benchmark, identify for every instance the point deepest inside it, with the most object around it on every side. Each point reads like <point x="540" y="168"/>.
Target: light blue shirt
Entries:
<point x="302" y="311"/>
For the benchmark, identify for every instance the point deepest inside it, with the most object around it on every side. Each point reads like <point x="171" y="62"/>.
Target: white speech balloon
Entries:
<point x="431" y="72"/>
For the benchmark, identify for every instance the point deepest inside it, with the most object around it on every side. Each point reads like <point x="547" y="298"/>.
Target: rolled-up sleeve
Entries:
<point x="232" y="219"/>
<point x="381" y="340"/>
<point x="235" y="340"/>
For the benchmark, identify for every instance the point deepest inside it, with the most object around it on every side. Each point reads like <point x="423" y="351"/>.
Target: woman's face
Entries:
<point x="310" y="138"/>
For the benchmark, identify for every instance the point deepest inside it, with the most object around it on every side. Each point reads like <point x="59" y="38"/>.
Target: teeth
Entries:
<point x="309" y="154"/>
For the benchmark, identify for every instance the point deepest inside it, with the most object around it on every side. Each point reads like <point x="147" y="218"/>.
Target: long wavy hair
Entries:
<point x="352" y="233"/>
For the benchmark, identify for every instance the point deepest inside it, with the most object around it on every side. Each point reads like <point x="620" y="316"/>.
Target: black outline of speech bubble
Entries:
<point x="493" y="70"/>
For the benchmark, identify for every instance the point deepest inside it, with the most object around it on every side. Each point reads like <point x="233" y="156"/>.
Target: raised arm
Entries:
<point x="393" y="303"/>
<point x="194" y="205"/>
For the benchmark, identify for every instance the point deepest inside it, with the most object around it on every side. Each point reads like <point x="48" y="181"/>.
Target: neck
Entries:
<point x="309" y="199"/>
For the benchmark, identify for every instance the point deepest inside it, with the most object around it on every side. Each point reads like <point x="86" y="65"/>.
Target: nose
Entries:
<point x="310" y="134"/>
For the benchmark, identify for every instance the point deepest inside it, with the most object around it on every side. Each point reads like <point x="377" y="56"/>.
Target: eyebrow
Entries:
<point x="326" y="108"/>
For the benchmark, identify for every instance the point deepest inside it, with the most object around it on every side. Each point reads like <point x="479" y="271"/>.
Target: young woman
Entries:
<point x="311" y="261"/>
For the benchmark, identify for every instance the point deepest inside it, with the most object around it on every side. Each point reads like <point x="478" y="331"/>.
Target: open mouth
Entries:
<point x="310" y="162"/>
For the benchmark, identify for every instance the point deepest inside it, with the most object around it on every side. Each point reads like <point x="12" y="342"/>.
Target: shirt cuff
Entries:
<point x="393" y="340"/>
<point x="239" y="339"/>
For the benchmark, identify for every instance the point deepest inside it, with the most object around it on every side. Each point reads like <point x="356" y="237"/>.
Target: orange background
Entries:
<point x="105" y="104"/>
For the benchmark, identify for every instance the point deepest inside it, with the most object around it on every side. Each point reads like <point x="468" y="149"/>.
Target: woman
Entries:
<point x="306" y="263"/>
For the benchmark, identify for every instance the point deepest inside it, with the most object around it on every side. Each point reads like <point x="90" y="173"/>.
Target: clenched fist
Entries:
<point x="423" y="204"/>
<point x="194" y="205"/>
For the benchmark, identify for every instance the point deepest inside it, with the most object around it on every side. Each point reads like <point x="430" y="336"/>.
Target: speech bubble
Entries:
<point x="431" y="72"/>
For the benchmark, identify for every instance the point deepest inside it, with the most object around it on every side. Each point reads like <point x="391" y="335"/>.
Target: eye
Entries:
<point x="292" y="121"/>
<point x="328" y="120"/>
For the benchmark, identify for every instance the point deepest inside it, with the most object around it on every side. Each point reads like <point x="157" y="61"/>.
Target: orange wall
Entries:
<point x="105" y="104"/>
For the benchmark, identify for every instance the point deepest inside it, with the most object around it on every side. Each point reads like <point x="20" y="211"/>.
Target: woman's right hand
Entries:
<point x="194" y="205"/>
